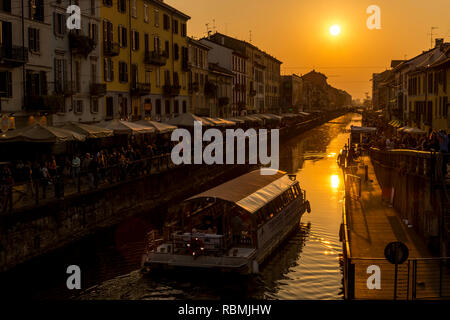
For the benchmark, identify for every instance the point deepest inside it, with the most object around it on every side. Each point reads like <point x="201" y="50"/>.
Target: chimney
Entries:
<point x="438" y="42"/>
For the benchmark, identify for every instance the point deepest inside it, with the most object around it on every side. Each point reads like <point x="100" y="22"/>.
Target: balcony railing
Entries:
<point x="223" y="101"/>
<point x="65" y="88"/>
<point x="156" y="58"/>
<point x="97" y="89"/>
<point x="13" y="56"/>
<point x="111" y="49"/>
<point x="81" y="44"/>
<point x="140" y="89"/>
<point x="194" y="87"/>
<point x="171" y="90"/>
<point x="45" y="103"/>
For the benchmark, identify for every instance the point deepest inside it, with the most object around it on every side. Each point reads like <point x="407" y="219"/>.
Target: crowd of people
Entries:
<point x="60" y="171"/>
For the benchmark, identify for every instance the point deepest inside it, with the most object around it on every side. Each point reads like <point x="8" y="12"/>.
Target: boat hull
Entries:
<point x="270" y="236"/>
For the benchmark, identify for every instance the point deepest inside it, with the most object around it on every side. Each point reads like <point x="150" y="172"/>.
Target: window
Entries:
<point x="184" y="106"/>
<point x="134" y="40"/>
<point x="166" y="77"/>
<point x="156" y="44"/>
<point x="176" y="54"/>
<point x="166" y="22"/>
<point x="176" y="107"/>
<point x="33" y="40"/>
<point x="108" y="3"/>
<point x="109" y="107"/>
<point x="36" y="10"/>
<point x="5" y="5"/>
<point x="77" y="76"/>
<point x="122" y="6"/>
<point x="93" y="73"/>
<point x="93" y="7"/>
<point x="108" y="69"/>
<point x="36" y="83"/>
<point x="122" y="35"/>
<point x="167" y="109"/>
<point x="158" y="77"/>
<point x="175" y="26"/>
<point x="94" y="105"/>
<point x="133" y="8"/>
<point x="6" y="83"/>
<point x="60" y="74"/>
<point x="183" y="30"/>
<point x="158" y="107"/>
<point x="107" y="32"/>
<point x="59" y="24"/>
<point x="93" y="32"/>
<point x="123" y="71"/>
<point x="156" y="18"/>
<point x="78" y="106"/>
<point x="145" y="13"/>
<point x="147" y="76"/>
<point x="166" y="48"/>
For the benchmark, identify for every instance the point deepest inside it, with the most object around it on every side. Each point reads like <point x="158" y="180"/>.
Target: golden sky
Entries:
<point x="297" y="33"/>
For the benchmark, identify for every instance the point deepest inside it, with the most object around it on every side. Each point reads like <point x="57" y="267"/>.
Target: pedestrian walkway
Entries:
<point x="372" y="224"/>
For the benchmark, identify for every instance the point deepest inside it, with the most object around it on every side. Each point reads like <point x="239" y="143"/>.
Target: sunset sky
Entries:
<point x="297" y="33"/>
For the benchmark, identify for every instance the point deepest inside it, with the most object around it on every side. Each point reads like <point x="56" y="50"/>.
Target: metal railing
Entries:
<point x="421" y="278"/>
<point x="37" y="191"/>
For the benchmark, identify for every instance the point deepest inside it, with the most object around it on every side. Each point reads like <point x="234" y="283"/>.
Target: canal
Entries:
<point x="306" y="266"/>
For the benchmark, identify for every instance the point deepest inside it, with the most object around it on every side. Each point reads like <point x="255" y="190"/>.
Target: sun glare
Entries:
<point x="335" y="30"/>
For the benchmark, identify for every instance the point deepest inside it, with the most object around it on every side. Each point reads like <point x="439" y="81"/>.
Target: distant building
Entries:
<point x="198" y="76"/>
<point x="219" y="91"/>
<point x="291" y="93"/>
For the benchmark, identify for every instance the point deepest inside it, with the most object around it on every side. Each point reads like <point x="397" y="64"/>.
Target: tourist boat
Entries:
<point x="232" y="227"/>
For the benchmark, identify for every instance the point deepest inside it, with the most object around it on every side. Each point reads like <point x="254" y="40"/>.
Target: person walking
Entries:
<point x="76" y="163"/>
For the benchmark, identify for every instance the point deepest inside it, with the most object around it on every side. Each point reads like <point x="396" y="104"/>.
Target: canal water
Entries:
<point x="306" y="266"/>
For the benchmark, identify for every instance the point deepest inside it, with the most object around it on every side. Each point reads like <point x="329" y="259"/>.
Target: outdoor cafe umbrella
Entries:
<point x="89" y="130"/>
<point x="125" y="127"/>
<point x="158" y="126"/>
<point x="187" y="120"/>
<point x="41" y="134"/>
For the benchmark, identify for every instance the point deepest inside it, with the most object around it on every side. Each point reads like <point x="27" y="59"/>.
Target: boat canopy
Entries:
<point x="250" y="191"/>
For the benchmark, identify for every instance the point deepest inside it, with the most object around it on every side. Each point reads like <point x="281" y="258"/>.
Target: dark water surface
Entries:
<point x="306" y="266"/>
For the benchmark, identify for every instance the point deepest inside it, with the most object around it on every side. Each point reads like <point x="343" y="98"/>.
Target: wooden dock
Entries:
<point x="370" y="223"/>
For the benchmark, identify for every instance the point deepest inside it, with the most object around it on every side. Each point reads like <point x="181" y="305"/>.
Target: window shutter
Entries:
<point x="137" y="40"/>
<point x="105" y="69"/>
<point x="37" y="39"/>
<point x="119" y="35"/>
<point x="112" y="69"/>
<point x="9" y="84"/>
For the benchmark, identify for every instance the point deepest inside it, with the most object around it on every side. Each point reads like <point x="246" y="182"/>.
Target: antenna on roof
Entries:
<point x="214" y="25"/>
<point x="207" y="28"/>
<point x="250" y="31"/>
<point x="431" y="36"/>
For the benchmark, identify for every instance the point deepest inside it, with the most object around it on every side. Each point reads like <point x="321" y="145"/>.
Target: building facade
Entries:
<point x="144" y="59"/>
<point x="198" y="75"/>
<point x="291" y="94"/>
<point x="219" y="91"/>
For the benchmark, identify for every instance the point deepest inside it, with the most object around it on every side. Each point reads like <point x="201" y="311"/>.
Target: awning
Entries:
<point x="357" y="129"/>
<point x="126" y="127"/>
<point x="414" y="131"/>
<point x="250" y="191"/>
<point x="158" y="126"/>
<point x="227" y="122"/>
<point x="395" y="124"/>
<point x="254" y="119"/>
<point x="187" y="120"/>
<point x="90" y="131"/>
<point x="216" y="122"/>
<point x="41" y="134"/>
<point x="235" y="120"/>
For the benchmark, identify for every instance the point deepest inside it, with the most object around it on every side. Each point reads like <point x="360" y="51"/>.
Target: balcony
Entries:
<point x="224" y="101"/>
<point x="171" y="90"/>
<point x="44" y="103"/>
<point x="97" y="89"/>
<point x="156" y="58"/>
<point x="252" y="93"/>
<point x="194" y="87"/>
<point x="13" y="56"/>
<point x="210" y="89"/>
<point x="65" y="88"/>
<point x="111" y="49"/>
<point x="80" y="44"/>
<point x="140" y="89"/>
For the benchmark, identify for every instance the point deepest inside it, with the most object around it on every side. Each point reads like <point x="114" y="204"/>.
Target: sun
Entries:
<point x="335" y="30"/>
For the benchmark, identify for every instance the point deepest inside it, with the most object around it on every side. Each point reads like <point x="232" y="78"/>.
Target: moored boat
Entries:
<point x="232" y="227"/>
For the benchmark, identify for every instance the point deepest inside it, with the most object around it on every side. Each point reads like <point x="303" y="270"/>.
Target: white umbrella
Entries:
<point x="159" y="126"/>
<point x="126" y="127"/>
<point x="40" y="133"/>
